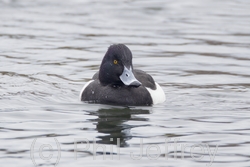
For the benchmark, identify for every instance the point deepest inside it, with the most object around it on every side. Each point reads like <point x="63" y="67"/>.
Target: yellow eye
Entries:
<point x="115" y="61"/>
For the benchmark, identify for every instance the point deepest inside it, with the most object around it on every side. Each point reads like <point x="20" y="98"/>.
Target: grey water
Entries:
<point x="198" y="51"/>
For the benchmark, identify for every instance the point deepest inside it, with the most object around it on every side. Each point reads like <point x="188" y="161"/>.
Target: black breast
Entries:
<point x="116" y="95"/>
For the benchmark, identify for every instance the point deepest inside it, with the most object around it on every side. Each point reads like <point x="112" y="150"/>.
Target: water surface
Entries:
<point x="198" y="51"/>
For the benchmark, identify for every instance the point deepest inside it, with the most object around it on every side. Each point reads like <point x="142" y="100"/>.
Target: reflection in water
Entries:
<point x="112" y="122"/>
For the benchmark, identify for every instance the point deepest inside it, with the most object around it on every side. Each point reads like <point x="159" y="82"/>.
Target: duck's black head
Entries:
<point x="117" y="68"/>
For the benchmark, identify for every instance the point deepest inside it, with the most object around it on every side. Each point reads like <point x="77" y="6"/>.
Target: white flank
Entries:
<point x="158" y="95"/>
<point x="80" y="96"/>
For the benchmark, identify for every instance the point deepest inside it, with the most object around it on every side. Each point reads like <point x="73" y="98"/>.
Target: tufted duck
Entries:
<point x="118" y="83"/>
